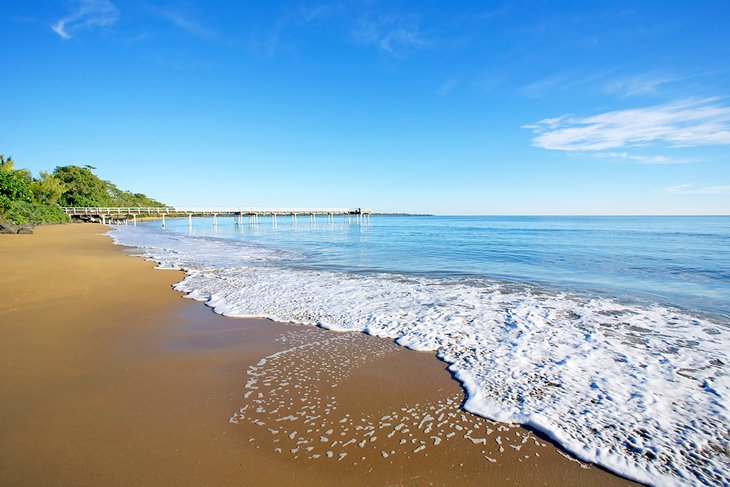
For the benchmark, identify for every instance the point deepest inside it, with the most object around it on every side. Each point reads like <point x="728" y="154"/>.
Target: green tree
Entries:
<point x="24" y="199"/>
<point x="6" y="165"/>
<point x="47" y="189"/>
<point x="83" y="188"/>
<point x="15" y="185"/>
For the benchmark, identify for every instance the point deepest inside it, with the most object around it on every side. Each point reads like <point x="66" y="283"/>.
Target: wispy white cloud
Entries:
<point x="447" y="87"/>
<point x="547" y="123"/>
<point x="685" y="123"/>
<point x="545" y="85"/>
<point x="643" y="159"/>
<point x="394" y="34"/>
<point x="638" y="85"/>
<point x="652" y="83"/>
<point x="316" y="13"/>
<point x="86" y="14"/>
<point x="691" y="189"/>
<point x="267" y="41"/>
<point x="184" y="19"/>
<point x="561" y="81"/>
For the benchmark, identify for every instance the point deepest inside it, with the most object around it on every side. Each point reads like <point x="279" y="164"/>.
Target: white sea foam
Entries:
<point x="641" y="390"/>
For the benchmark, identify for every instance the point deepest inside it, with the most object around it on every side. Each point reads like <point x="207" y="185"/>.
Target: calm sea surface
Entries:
<point x="683" y="261"/>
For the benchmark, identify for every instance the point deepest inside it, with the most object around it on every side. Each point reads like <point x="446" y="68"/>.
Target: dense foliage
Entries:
<point x="14" y="184"/>
<point x="84" y="188"/>
<point x="24" y="199"/>
<point x="33" y="212"/>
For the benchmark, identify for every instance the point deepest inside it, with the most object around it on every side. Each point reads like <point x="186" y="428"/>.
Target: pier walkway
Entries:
<point x="118" y="214"/>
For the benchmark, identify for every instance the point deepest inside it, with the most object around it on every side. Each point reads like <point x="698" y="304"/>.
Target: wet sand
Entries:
<point x="109" y="377"/>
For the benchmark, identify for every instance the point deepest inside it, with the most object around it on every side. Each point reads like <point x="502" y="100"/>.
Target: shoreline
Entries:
<point x="102" y="356"/>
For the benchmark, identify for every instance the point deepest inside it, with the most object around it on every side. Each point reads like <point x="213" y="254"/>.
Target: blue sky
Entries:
<point x="443" y="107"/>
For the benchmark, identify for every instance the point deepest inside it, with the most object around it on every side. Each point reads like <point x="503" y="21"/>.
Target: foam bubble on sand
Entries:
<point x="640" y="389"/>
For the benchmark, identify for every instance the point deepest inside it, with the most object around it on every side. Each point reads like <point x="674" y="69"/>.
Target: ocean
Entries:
<point x="609" y="334"/>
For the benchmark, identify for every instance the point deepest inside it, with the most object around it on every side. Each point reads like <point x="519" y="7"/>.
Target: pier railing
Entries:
<point x="171" y="210"/>
<point x="122" y="214"/>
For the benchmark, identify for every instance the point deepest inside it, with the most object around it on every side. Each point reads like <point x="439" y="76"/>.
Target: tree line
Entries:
<point x="26" y="199"/>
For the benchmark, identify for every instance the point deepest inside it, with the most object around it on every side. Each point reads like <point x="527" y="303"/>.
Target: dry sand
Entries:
<point x="108" y="377"/>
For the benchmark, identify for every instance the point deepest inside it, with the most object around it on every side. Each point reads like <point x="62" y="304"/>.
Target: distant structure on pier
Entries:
<point x="123" y="215"/>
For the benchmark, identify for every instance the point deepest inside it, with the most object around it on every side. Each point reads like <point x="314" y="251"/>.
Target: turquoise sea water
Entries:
<point x="683" y="261"/>
<point x="610" y="334"/>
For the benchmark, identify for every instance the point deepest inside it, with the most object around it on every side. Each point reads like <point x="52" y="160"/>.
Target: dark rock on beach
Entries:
<point x="85" y="219"/>
<point x="12" y="228"/>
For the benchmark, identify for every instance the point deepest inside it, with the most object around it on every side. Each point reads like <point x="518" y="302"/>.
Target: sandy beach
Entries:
<point x="109" y="377"/>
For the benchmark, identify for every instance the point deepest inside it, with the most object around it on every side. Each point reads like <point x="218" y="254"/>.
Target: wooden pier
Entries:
<point x="123" y="215"/>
